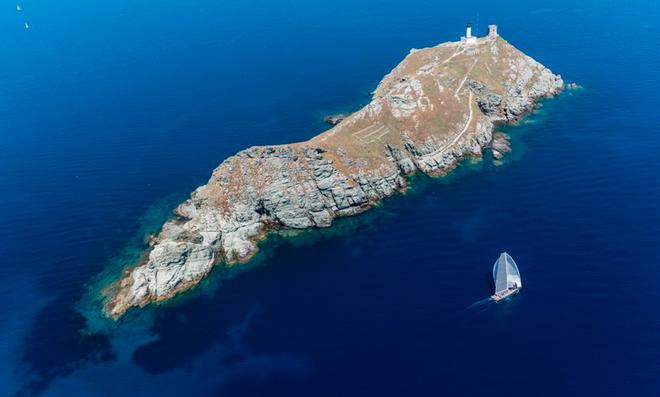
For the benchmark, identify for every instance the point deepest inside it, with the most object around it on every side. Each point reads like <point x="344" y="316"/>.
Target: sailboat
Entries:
<point x="506" y="276"/>
<point x="18" y="7"/>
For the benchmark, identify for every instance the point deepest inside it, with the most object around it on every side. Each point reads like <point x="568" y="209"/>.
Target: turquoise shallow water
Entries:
<point x="112" y="112"/>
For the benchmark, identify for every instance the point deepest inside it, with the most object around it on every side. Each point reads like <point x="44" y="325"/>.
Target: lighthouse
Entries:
<point x="468" y="38"/>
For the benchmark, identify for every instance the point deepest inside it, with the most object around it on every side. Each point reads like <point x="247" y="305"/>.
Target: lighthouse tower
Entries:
<point x="468" y="38"/>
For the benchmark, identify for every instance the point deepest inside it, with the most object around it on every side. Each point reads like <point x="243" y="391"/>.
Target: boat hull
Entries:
<point x="501" y="295"/>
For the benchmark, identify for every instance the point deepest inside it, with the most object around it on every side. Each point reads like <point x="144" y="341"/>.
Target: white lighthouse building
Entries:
<point x="468" y="38"/>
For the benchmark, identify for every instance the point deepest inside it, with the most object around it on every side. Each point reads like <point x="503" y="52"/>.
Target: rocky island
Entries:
<point x="438" y="106"/>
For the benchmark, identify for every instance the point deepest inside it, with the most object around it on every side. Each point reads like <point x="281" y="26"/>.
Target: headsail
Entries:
<point x="506" y="273"/>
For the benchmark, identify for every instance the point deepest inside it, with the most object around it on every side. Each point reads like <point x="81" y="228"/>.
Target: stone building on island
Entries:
<point x="469" y="39"/>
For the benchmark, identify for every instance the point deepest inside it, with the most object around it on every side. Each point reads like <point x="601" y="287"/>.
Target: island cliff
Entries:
<point x="437" y="107"/>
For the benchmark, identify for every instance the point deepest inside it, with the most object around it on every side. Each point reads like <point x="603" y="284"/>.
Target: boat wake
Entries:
<point x="478" y="304"/>
<point x="475" y="310"/>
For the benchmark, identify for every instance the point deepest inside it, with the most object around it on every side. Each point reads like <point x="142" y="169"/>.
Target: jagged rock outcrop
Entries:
<point x="500" y="146"/>
<point x="437" y="107"/>
<point x="335" y="119"/>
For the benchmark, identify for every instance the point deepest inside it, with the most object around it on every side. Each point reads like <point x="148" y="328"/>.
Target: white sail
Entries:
<point x="506" y="273"/>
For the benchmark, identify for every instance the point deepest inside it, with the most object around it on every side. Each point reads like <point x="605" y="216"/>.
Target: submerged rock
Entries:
<point x="437" y="107"/>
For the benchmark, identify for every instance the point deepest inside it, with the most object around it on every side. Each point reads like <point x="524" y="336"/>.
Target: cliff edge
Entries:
<point x="437" y="107"/>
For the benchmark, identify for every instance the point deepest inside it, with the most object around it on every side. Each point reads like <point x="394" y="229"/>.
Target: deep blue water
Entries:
<point x="113" y="111"/>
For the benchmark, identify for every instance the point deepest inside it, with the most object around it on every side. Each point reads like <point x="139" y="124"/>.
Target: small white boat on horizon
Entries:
<point x="506" y="276"/>
<point x="18" y="7"/>
<point x="27" y="25"/>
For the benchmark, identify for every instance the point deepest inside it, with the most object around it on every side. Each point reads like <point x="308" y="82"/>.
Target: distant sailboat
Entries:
<point x="27" y="25"/>
<point x="506" y="276"/>
<point x="18" y="7"/>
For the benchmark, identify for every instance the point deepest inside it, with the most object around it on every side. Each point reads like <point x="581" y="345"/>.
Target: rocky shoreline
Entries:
<point x="437" y="107"/>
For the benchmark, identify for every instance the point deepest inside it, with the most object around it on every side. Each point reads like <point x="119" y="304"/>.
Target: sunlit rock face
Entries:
<point x="437" y="107"/>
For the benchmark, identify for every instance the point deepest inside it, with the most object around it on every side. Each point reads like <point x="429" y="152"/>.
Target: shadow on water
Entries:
<point x="174" y="348"/>
<point x="65" y="336"/>
<point x="56" y="347"/>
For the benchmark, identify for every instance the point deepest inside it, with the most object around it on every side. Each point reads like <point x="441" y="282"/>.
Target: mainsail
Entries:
<point x="506" y="273"/>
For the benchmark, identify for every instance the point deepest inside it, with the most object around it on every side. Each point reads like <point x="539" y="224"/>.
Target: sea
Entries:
<point x="112" y="112"/>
